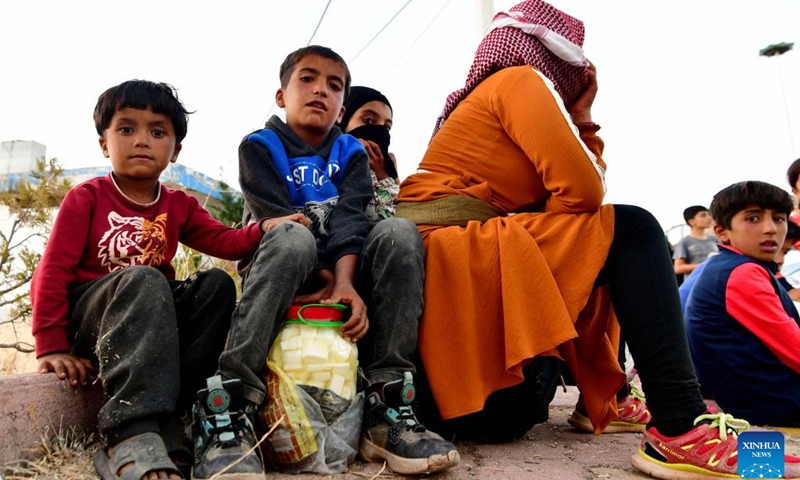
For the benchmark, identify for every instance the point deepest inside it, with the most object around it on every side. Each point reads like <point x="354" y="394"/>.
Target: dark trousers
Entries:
<point x="154" y="341"/>
<point x="644" y="293"/>
<point x="645" y="297"/>
<point x="389" y="279"/>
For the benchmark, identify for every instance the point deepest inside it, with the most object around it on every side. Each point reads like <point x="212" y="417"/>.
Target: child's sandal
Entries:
<point x="142" y="454"/>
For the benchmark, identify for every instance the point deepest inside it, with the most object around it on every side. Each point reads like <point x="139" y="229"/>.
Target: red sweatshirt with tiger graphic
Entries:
<point x="99" y="230"/>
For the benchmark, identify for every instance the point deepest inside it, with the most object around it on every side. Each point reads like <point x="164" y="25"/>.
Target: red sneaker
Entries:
<point x="708" y="451"/>
<point x="633" y="415"/>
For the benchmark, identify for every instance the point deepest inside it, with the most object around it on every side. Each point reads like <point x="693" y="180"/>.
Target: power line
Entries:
<point x="271" y="107"/>
<point x="319" y="23"/>
<point x="417" y="39"/>
<point x="379" y="32"/>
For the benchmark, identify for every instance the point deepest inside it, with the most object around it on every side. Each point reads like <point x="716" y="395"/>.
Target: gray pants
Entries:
<point x="154" y="340"/>
<point x="389" y="279"/>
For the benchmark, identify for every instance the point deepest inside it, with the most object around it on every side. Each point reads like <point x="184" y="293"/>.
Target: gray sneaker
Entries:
<point x="223" y="437"/>
<point x="392" y="433"/>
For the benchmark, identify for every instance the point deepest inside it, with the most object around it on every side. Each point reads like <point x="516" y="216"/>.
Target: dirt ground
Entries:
<point x="550" y="451"/>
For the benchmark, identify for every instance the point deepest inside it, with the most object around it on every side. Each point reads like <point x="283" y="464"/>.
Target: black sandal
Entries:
<point x="143" y="453"/>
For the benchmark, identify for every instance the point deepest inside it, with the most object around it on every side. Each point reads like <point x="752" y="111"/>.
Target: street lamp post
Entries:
<point x="776" y="50"/>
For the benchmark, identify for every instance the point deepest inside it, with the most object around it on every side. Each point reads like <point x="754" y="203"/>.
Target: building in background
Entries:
<point x="18" y="159"/>
<point x="19" y="156"/>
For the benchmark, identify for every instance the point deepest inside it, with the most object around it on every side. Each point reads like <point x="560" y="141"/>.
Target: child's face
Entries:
<point x="313" y="98"/>
<point x="756" y="232"/>
<point x="787" y="245"/>
<point x="702" y="220"/>
<point x="139" y="143"/>
<point x="371" y="113"/>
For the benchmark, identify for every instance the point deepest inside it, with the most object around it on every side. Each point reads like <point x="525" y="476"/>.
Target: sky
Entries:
<point x="686" y="103"/>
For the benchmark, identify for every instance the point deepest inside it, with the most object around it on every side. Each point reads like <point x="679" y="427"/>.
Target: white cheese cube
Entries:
<point x="291" y="357"/>
<point x="315" y="352"/>
<point x="292" y="343"/>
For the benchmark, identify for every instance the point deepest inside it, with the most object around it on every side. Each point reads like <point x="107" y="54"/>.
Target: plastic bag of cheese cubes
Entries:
<point x="311" y="381"/>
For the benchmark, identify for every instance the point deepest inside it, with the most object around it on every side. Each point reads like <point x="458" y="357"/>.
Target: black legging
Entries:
<point x="645" y="297"/>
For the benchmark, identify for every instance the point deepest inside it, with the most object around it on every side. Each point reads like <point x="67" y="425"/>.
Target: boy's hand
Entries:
<point x="375" y="158"/>
<point x="270" y="223"/>
<point x="326" y="279"/>
<point x="358" y="324"/>
<point x="76" y="370"/>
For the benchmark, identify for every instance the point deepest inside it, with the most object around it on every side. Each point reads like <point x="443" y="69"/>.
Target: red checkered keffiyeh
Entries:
<point x="530" y="33"/>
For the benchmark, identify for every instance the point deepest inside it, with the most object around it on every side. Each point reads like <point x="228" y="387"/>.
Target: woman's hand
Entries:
<point x="581" y="108"/>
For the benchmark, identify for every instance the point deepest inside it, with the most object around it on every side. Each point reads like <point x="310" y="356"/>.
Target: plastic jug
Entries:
<point x="312" y="351"/>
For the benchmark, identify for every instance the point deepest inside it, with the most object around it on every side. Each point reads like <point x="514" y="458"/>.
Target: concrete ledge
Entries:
<point x="33" y="407"/>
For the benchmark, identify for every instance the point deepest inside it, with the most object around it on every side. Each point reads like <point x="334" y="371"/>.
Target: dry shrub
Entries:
<point x="65" y="456"/>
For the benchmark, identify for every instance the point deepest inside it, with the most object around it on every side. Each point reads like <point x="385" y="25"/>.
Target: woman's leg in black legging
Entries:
<point x="645" y="297"/>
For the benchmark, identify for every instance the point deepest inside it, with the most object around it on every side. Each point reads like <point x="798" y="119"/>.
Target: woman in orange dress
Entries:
<point x="524" y="261"/>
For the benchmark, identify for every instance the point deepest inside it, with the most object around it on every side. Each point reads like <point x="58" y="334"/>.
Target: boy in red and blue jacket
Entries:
<point x="743" y="327"/>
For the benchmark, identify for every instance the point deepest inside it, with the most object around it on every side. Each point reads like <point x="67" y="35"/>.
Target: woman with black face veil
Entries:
<point x="368" y="117"/>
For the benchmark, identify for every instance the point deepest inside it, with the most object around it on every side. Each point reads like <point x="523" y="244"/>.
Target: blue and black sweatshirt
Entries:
<point x="281" y="174"/>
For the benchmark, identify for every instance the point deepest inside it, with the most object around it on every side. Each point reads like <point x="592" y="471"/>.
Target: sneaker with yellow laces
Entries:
<point x="632" y="410"/>
<point x="708" y="451"/>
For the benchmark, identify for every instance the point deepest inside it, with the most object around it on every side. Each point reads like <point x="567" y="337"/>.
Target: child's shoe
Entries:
<point x="710" y="450"/>
<point x="392" y="433"/>
<point x="632" y="410"/>
<point x="224" y="439"/>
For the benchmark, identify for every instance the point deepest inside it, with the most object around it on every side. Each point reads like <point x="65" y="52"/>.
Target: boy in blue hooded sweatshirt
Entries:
<point x="306" y="165"/>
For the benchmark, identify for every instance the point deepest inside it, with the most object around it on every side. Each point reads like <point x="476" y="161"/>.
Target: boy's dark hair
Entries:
<point x="733" y="199"/>
<point x="140" y="94"/>
<point x="793" y="173"/>
<point x="287" y="67"/>
<point x="692" y="212"/>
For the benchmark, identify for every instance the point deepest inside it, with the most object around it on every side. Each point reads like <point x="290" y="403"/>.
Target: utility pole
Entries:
<point x="776" y="51"/>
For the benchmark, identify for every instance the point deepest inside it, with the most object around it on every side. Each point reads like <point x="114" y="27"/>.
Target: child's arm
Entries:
<point x="751" y="300"/>
<point x="208" y="235"/>
<point x="349" y="224"/>
<point x="268" y="224"/>
<point x="343" y="292"/>
<point x="681" y="267"/>
<point x="326" y="279"/>
<point x="57" y="270"/>
<point x="679" y="257"/>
